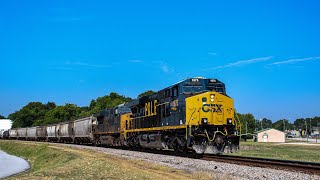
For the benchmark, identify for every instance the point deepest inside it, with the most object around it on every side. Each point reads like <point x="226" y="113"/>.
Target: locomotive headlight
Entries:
<point x="229" y="120"/>
<point x="204" y="121"/>
<point x="212" y="97"/>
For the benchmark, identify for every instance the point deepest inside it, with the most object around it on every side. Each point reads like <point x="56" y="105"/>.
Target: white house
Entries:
<point x="271" y="135"/>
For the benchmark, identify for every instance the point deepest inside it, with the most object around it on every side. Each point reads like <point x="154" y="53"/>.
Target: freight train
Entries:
<point x="195" y="115"/>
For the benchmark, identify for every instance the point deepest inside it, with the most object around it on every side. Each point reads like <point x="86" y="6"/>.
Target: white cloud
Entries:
<point x="243" y="62"/>
<point x="87" y="65"/>
<point x="65" y="19"/>
<point x="165" y="67"/>
<point x="135" y="61"/>
<point x="62" y="68"/>
<point x="212" y="53"/>
<point x="291" y="61"/>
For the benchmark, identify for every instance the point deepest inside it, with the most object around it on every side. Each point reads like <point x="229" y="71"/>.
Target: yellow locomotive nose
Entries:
<point x="210" y="108"/>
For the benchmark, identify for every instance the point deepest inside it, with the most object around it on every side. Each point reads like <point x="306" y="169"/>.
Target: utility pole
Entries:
<point x="318" y="127"/>
<point x="246" y="127"/>
<point x="306" y="129"/>
<point x="246" y="130"/>
<point x="261" y="124"/>
<point x="284" y="125"/>
<point x="318" y="131"/>
<point x="310" y="125"/>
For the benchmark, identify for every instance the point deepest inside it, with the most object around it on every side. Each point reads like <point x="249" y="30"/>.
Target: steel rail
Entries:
<point x="306" y="167"/>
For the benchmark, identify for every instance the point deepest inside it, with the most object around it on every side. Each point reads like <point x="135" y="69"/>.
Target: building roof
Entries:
<point x="267" y="130"/>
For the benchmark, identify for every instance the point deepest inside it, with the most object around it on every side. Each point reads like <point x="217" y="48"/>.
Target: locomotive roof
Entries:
<point x="136" y="101"/>
<point x="184" y="80"/>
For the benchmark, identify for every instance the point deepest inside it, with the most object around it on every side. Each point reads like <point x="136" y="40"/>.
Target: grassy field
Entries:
<point x="59" y="162"/>
<point x="309" y="153"/>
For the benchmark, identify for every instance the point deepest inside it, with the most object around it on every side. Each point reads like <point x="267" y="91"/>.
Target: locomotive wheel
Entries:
<point x="178" y="149"/>
<point x="220" y="148"/>
<point x="97" y="141"/>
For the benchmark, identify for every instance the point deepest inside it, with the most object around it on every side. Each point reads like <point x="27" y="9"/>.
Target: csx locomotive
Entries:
<point x="194" y="114"/>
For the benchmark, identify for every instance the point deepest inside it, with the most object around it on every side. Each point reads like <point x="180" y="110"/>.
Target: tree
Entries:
<point x="37" y="114"/>
<point x="67" y="112"/>
<point x="32" y="112"/>
<point x="282" y="125"/>
<point x="315" y="122"/>
<point x="2" y="117"/>
<point x="108" y="101"/>
<point x="264" y="123"/>
<point x="301" y="123"/>
<point x="147" y="93"/>
<point x="247" y="121"/>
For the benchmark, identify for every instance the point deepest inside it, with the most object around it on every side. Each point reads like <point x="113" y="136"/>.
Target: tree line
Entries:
<point x="37" y="113"/>
<point x="250" y="125"/>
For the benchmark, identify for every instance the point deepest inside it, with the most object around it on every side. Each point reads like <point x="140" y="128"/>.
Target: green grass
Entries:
<point x="61" y="162"/>
<point x="310" y="153"/>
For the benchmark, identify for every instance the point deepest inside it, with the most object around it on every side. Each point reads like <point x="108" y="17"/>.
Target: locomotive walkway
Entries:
<point x="11" y="165"/>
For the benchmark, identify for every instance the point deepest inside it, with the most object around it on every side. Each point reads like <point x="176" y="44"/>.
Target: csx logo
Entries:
<point x="212" y="108"/>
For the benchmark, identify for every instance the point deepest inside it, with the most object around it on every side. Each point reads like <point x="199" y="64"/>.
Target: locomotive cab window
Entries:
<point x="192" y="89"/>
<point x="219" y="89"/>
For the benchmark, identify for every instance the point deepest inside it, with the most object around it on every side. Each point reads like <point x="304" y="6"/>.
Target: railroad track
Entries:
<point x="300" y="166"/>
<point x="305" y="167"/>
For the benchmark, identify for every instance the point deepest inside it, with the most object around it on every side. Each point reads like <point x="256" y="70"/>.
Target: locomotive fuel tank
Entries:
<point x="152" y="141"/>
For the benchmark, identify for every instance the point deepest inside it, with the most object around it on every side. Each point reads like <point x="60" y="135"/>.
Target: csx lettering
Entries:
<point x="212" y="108"/>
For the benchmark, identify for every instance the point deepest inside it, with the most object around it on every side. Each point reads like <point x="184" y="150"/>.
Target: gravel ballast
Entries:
<point x="221" y="170"/>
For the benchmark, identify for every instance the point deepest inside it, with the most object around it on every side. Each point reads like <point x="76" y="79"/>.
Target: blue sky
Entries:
<point x="267" y="53"/>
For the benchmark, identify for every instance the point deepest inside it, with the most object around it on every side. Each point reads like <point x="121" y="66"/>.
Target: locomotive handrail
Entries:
<point x="225" y="134"/>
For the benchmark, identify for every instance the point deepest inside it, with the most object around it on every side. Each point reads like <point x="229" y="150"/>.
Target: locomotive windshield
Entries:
<point x="192" y="89"/>
<point x="219" y="89"/>
<point x="195" y="86"/>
